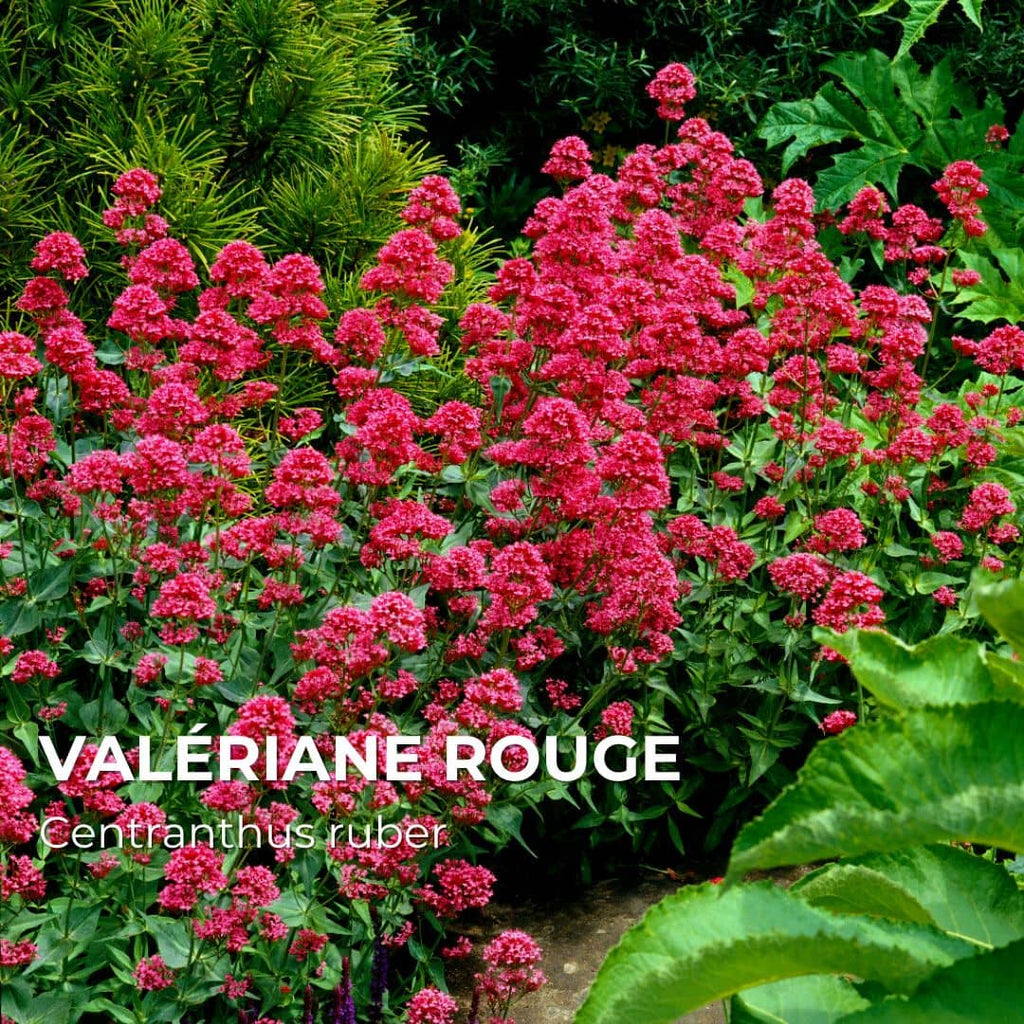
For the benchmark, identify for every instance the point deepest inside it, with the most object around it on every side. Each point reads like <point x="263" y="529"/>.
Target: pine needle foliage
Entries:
<point x="281" y="121"/>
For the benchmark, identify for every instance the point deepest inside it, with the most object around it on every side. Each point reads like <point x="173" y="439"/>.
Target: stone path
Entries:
<point x="575" y="934"/>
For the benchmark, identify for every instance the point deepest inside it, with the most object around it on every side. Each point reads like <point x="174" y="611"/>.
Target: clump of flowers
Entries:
<point x="511" y="971"/>
<point x="682" y="436"/>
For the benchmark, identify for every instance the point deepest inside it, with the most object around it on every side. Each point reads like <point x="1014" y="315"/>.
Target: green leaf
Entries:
<point x="988" y="987"/>
<point x="872" y="163"/>
<point x="869" y="112"/>
<point x="944" y="886"/>
<point x="933" y="775"/>
<point x="922" y="15"/>
<point x="172" y="940"/>
<point x="999" y="295"/>
<point x="855" y="889"/>
<point x="18" y="617"/>
<point x="120" y="1013"/>
<point x="942" y="670"/>
<point x="1002" y="605"/>
<point x="704" y="943"/>
<point x="52" y="583"/>
<point x="814" y="122"/>
<point x="814" y="999"/>
<point x="972" y="8"/>
<point x="28" y="733"/>
<point x="47" y="1008"/>
<point x="880" y="8"/>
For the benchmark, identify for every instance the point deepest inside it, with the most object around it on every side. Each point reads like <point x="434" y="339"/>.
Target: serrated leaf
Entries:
<point x="940" y="885"/>
<point x="870" y="78"/>
<point x="988" y="987"/>
<point x="941" y="670"/>
<point x="704" y="943"/>
<point x="880" y="8"/>
<point x="932" y="775"/>
<point x="921" y="16"/>
<point x="873" y="163"/>
<point x="972" y="8"/>
<point x="815" y="999"/>
<point x="1003" y="208"/>
<point x="813" y="122"/>
<point x="869" y="112"/>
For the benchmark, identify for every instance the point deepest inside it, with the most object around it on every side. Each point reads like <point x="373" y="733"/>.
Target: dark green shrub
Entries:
<point x="501" y="81"/>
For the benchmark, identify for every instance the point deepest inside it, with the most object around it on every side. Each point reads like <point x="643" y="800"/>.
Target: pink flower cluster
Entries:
<point x="683" y="438"/>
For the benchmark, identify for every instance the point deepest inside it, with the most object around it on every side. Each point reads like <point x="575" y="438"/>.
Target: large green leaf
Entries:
<point x="1002" y="605"/>
<point x="931" y="775"/>
<point x="869" y="113"/>
<point x="704" y="943"/>
<point x="984" y="989"/>
<point x="942" y="670"/>
<point x="830" y="116"/>
<point x="873" y="163"/>
<point x="813" y="999"/>
<point x="939" y="885"/>
<point x="921" y="16"/>
<point x="894" y="115"/>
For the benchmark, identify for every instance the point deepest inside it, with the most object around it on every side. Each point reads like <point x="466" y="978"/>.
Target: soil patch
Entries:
<point x="575" y="932"/>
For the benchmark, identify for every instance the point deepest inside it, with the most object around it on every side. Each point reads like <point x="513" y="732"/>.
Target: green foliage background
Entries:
<point x="282" y="121"/>
<point x="503" y="79"/>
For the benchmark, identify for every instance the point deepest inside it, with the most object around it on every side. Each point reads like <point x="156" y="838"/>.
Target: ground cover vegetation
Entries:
<point x="619" y="488"/>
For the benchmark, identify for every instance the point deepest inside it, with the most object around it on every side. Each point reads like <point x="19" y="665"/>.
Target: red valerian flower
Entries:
<point x="408" y="267"/>
<point x="672" y="87"/>
<point x="852" y="601"/>
<point x="16" y="826"/>
<point x="431" y="1006"/>
<point x="960" y="188"/>
<point x="616" y="720"/>
<point x="17" y="954"/>
<point x="569" y="161"/>
<point x="17" y="356"/>
<point x="433" y="205"/>
<point x="20" y="876"/>
<point x="836" y="722"/>
<point x="804" y="575"/>
<point x="62" y="253"/>
<point x="34" y="664"/>
<point x="511" y="960"/>
<point x="988" y="502"/>
<point x="152" y="974"/>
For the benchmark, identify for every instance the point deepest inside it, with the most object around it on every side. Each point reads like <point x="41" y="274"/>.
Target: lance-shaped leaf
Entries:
<point x="704" y="943"/>
<point x="932" y="775"/>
